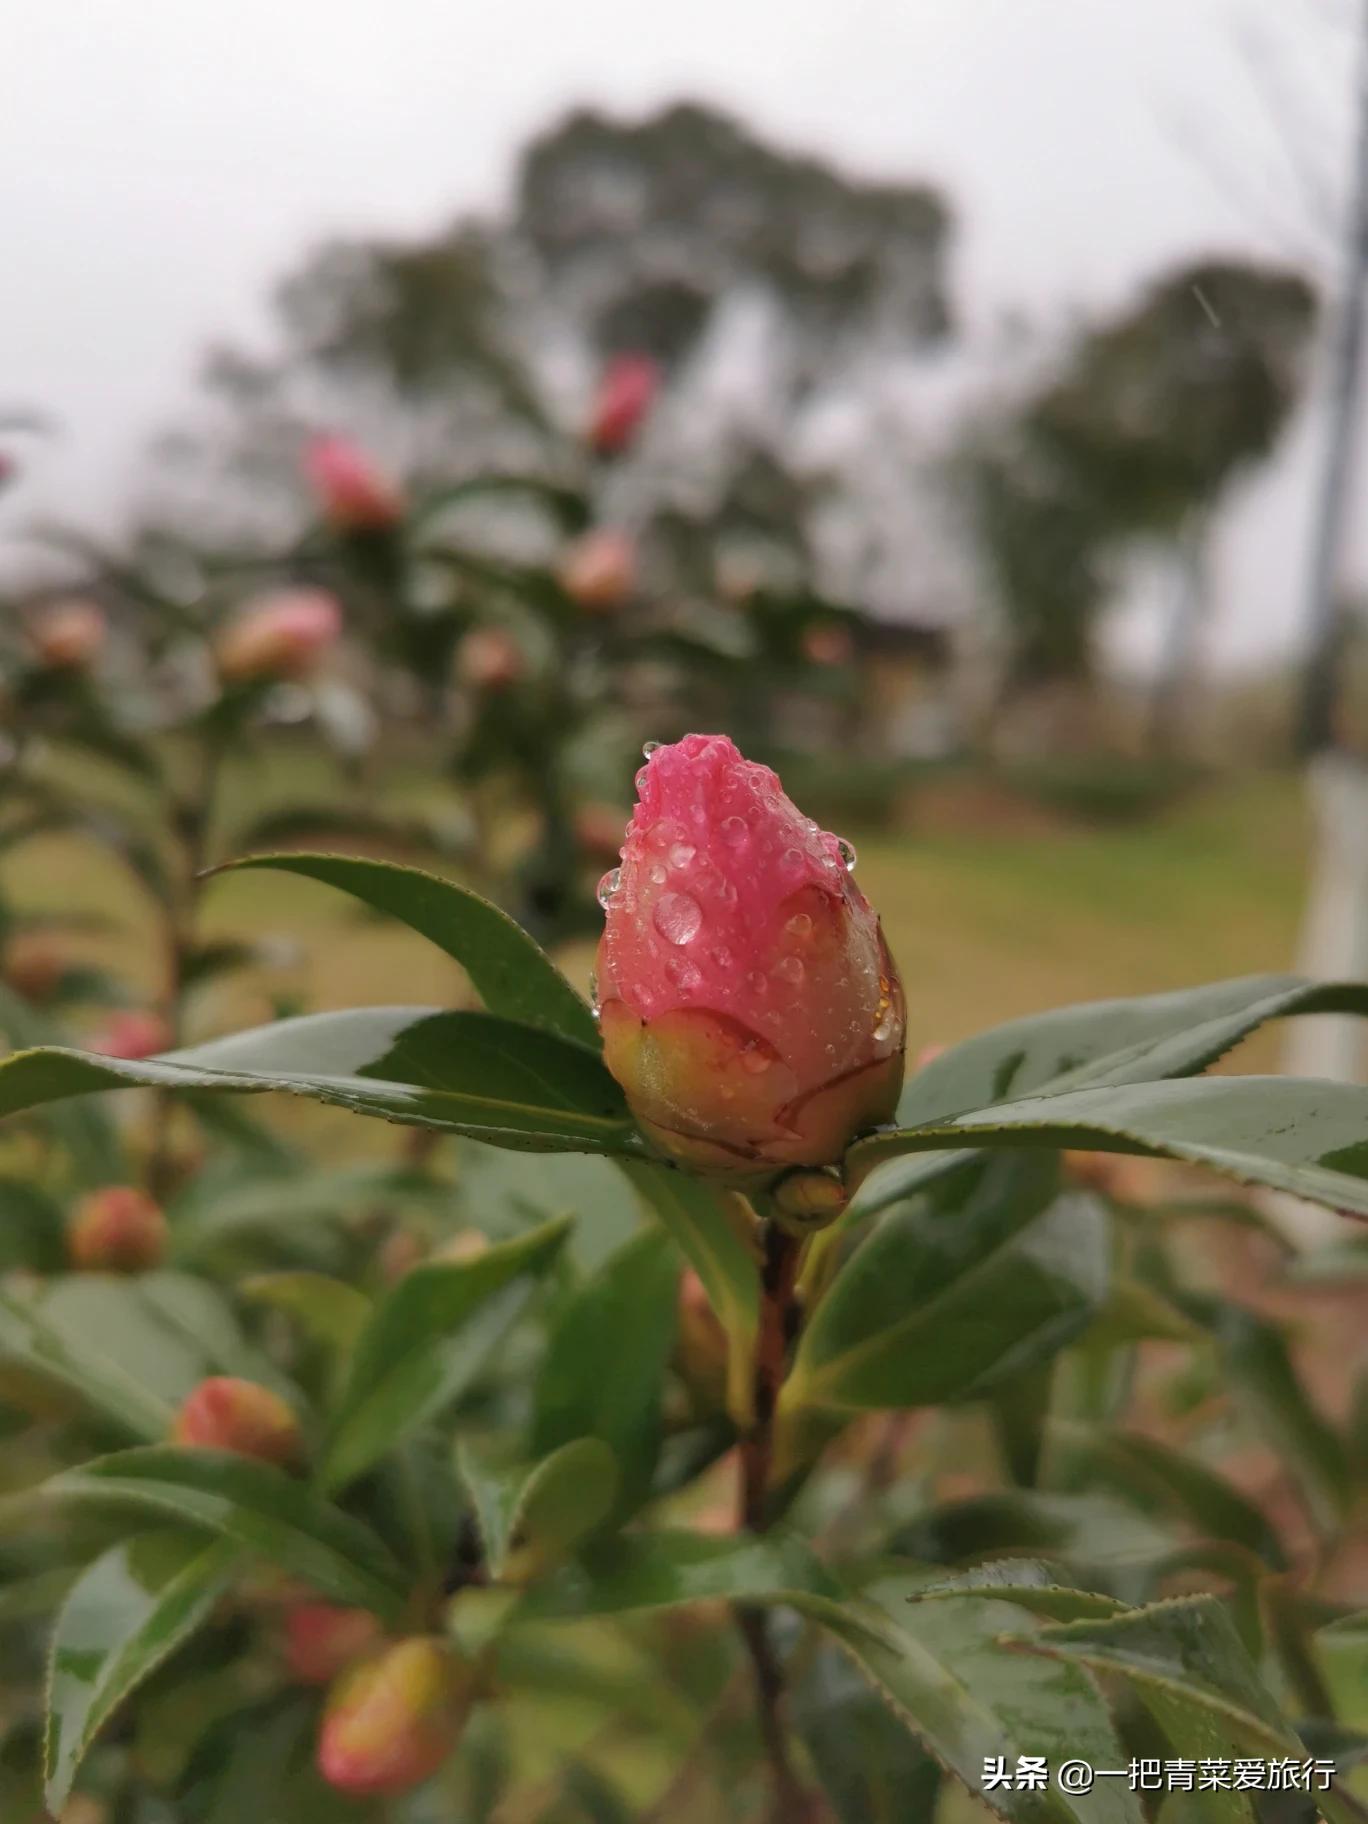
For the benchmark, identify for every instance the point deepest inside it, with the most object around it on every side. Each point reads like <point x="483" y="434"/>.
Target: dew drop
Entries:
<point x="682" y="854"/>
<point x="678" y="917"/>
<point x="649" y="747"/>
<point x="657" y="875"/>
<point x="734" y="831"/>
<point x="722" y="957"/>
<point x="789" y="969"/>
<point x="884" y="1029"/>
<point x="755" y="1061"/>
<point x="811" y="825"/>
<point x="756" y="982"/>
<point x="608" y="886"/>
<point x="800" y="925"/>
<point x="682" y="973"/>
<point x="791" y="861"/>
<point x="848" y="855"/>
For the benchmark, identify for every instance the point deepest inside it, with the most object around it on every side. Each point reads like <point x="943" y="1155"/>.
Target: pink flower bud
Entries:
<point x="283" y="635"/>
<point x="68" y="635"/>
<point x="700" y="1351"/>
<point x="133" y="1033"/>
<point x="352" y="492"/>
<point x="489" y="658"/>
<point x="598" y="571"/>
<point x="749" y="1006"/>
<point x="827" y="643"/>
<point x="224" y="1413"/>
<point x="393" y="1719"/>
<point x="323" y="1639"/>
<point x="627" y="391"/>
<point x="118" y="1229"/>
<point x="33" y="967"/>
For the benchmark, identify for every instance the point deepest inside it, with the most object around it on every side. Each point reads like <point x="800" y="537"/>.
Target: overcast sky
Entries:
<point x="162" y="160"/>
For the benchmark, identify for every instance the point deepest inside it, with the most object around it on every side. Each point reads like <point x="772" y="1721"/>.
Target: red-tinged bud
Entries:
<point x="393" y="1719"/>
<point x="827" y="643"/>
<point x="598" y="571"/>
<point x="700" y="1343"/>
<point x="33" y="967"/>
<point x="134" y="1032"/>
<point x="489" y="658"/>
<point x="224" y="1413"/>
<point x="322" y="1640"/>
<point x="627" y="391"/>
<point x="599" y="829"/>
<point x="749" y="1006"/>
<point x="68" y="635"/>
<point x="116" y="1230"/>
<point x="282" y="635"/>
<point x="351" y="490"/>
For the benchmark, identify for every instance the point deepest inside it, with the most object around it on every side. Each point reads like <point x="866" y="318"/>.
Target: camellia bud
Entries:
<point x="489" y="658"/>
<point x="827" y="643"/>
<point x="393" y="1719"/>
<point x="749" y="1006"/>
<point x="68" y="635"/>
<point x="806" y="1201"/>
<point x="33" y="966"/>
<point x="134" y="1032"/>
<point x="118" y="1229"/>
<point x="598" y="571"/>
<point x="626" y="393"/>
<point x="282" y="635"/>
<point x="224" y="1413"/>
<point x="700" y="1343"/>
<point x="323" y="1639"/>
<point x="352" y="492"/>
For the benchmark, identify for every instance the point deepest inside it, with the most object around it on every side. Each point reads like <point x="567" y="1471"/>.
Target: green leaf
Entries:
<point x="511" y="973"/>
<point x="953" y="1292"/>
<point x="530" y="1518"/>
<point x="710" y="1229"/>
<point x="128" y="1611"/>
<point x="1138" y="1040"/>
<point x="257" y="1506"/>
<point x="467" y="1072"/>
<point x="328" y="1310"/>
<point x="603" y="1373"/>
<point x="83" y="1131"/>
<point x="1150" y="1470"/>
<point x="1188" y="1666"/>
<point x="32" y="1229"/>
<point x="38" y="1340"/>
<point x="219" y="1207"/>
<point x="1292" y="1134"/>
<point x="871" y="1768"/>
<point x="427" y="1340"/>
<point x="1028" y="1582"/>
<point x="943" y="1668"/>
<point x="668" y="1570"/>
<point x="567" y="505"/>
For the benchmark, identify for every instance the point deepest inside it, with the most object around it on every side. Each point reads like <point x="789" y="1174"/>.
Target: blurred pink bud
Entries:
<point x="393" y="1719"/>
<point x="68" y="635"/>
<point x="323" y="1639"/>
<point x="33" y="966"/>
<point x="599" y="829"/>
<point x="224" y="1413"/>
<point x="352" y="492"/>
<point x="489" y="658"/>
<point x="749" y="1006"/>
<point x="598" y="571"/>
<point x="627" y="391"/>
<point x="281" y="635"/>
<point x="825" y="643"/>
<point x="134" y="1032"/>
<point x="117" y="1229"/>
<point x="700" y="1352"/>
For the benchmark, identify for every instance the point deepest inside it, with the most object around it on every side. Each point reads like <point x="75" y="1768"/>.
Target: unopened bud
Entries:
<point x="132" y="1033"/>
<point x="68" y="635"/>
<point x="282" y="635"/>
<point x="393" y="1719"/>
<point x="700" y="1343"/>
<point x="598" y="571"/>
<point x="827" y="643"/>
<point x="806" y="1201"/>
<point x="352" y="492"/>
<point x="323" y="1639"/>
<point x="224" y="1413"/>
<point x="626" y="393"/>
<point x="489" y="658"/>
<point x="33" y="967"/>
<point x="118" y="1229"/>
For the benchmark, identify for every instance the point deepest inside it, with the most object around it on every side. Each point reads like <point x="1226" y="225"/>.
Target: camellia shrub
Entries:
<point x="756" y="1435"/>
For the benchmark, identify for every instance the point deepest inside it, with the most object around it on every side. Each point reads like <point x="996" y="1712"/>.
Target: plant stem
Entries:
<point x="779" y="1273"/>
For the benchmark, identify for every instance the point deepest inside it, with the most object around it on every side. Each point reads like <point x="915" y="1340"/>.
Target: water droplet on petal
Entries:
<point x="789" y="969"/>
<point x="791" y="861"/>
<point x="657" y="875"/>
<point x="754" y="1060"/>
<point x="756" y="982"/>
<point x="811" y="825"/>
<point x="884" y="1029"/>
<point x="734" y="831"/>
<point x="682" y="854"/>
<point x="800" y="925"/>
<point x="682" y="973"/>
<point x="649" y="747"/>
<point x="722" y="957"/>
<point x="678" y="917"/>
<point x="848" y="855"/>
<point x="608" y="886"/>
